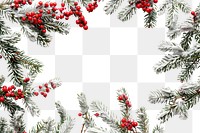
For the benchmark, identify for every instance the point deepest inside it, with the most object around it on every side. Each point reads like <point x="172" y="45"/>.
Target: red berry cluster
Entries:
<point x="26" y="80"/>
<point x="145" y="5"/>
<point x="128" y="124"/>
<point x="17" y="3"/>
<point x="51" y="9"/>
<point x="44" y="89"/>
<point x="81" y="19"/>
<point x="11" y="91"/>
<point x="124" y="98"/>
<point x="92" y="6"/>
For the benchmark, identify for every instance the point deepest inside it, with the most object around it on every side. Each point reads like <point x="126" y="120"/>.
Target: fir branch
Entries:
<point x="11" y="106"/>
<point x="4" y="127"/>
<point x="31" y="106"/>
<point x="168" y="62"/>
<point x="107" y="116"/>
<point x="100" y="130"/>
<point x="127" y="12"/>
<point x="142" y="120"/>
<point x="161" y="96"/>
<point x="112" y="6"/>
<point x="83" y="103"/>
<point x="183" y="6"/>
<point x="150" y="19"/>
<point x="67" y="126"/>
<point x="44" y="126"/>
<point x="61" y="111"/>
<point x="158" y="129"/>
<point x="17" y="123"/>
<point x="177" y="102"/>
<point x="186" y="40"/>
<point x="2" y="79"/>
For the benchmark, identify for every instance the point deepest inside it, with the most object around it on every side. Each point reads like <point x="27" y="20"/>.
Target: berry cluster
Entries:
<point x="128" y="124"/>
<point x="11" y="91"/>
<point x="51" y="9"/>
<point x="81" y="19"/>
<point x="92" y="6"/>
<point x="124" y="98"/>
<point x="17" y="3"/>
<point x="44" y="89"/>
<point x="145" y="5"/>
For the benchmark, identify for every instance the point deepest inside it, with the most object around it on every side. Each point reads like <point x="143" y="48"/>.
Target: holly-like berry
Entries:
<point x="2" y="99"/>
<point x="193" y="13"/>
<point x="4" y="89"/>
<point x="155" y="1"/>
<point x="134" y="124"/>
<point x="123" y="120"/>
<point x="40" y="3"/>
<point x="120" y="98"/>
<point x="36" y="93"/>
<point x="96" y="114"/>
<point x="79" y="114"/>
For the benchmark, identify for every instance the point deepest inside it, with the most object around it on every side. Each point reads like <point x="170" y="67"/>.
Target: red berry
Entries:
<point x="123" y="120"/>
<point x="36" y="93"/>
<point x="41" y="26"/>
<point x="61" y="16"/>
<point x="16" y="98"/>
<point x="54" y="4"/>
<point x="4" y="89"/>
<point x="97" y="114"/>
<point x="47" y="90"/>
<point x="75" y="3"/>
<point x="77" y="22"/>
<point x="40" y="11"/>
<point x="24" y="2"/>
<point x="63" y="4"/>
<point x="44" y="31"/>
<point x="67" y="18"/>
<point x="40" y="15"/>
<point x="127" y="102"/>
<point x="120" y="98"/>
<point x="122" y="125"/>
<point x="193" y="13"/>
<point x="46" y="5"/>
<point x="7" y="94"/>
<point x="40" y="87"/>
<point x="40" y="3"/>
<point x="39" y="21"/>
<point x="51" y="4"/>
<point x="12" y="86"/>
<point x="79" y="114"/>
<point x="85" y="27"/>
<point x="2" y="99"/>
<point x="155" y="1"/>
<point x="149" y="10"/>
<point x="135" y="124"/>
<point x="53" y="15"/>
<point x="12" y="94"/>
<point x="48" y="11"/>
<point x="78" y="8"/>
<point x="45" y="94"/>
<point x="57" y="17"/>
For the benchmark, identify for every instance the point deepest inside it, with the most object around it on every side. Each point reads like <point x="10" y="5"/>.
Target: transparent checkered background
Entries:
<point x="107" y="57"/>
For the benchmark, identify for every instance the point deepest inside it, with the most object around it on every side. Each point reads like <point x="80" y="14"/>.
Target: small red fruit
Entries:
<point x="79" y="114"/>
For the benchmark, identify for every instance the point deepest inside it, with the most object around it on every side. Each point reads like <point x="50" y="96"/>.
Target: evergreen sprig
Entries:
<point x="177" y="102"/>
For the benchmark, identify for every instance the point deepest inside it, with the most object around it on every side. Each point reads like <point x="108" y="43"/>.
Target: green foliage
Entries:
<point x="177" y="102"/>
<point x="143" y="120"/>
